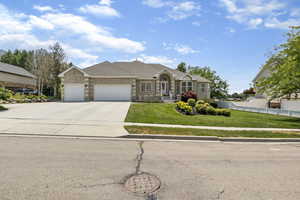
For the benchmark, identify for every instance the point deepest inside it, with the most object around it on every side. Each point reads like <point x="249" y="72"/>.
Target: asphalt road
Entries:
<point x="82" y="169"/>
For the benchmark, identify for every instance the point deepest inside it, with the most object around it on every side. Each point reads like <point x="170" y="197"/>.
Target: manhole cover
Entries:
<point x="142" y="184"/>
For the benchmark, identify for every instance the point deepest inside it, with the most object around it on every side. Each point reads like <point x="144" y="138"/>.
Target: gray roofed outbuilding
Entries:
<point x="15" y="70"/>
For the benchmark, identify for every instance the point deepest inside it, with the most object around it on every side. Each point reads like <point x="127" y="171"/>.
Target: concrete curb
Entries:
<point x="209" y="138"/>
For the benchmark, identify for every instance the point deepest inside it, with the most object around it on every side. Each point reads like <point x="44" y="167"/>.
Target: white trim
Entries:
<point x="186" y="81"/>
<point x="73" y="67"/>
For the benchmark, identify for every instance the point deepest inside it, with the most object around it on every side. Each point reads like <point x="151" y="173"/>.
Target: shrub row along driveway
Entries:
<point x="56" y="118"/>
<point x="166" y="114"/>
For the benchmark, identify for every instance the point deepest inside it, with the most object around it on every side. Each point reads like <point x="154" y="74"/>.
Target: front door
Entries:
<point x="164" y="88"/>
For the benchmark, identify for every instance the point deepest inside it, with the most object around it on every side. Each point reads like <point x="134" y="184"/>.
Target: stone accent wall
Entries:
<point x="153" y="95"/>
<point x="74" y="76"/>
<point x="11" y="80"/>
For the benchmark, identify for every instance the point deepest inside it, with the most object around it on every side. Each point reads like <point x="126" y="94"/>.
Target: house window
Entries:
<point x="202" y="87"/>
<point x="146" y="87"/>
<point x="186" y="86"/>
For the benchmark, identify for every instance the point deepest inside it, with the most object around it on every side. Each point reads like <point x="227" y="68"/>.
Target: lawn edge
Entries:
<point x="208" y="138"/>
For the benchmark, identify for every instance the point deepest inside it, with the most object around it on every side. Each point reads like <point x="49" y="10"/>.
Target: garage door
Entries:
<point x="74" y="92"/>
<point x="112" y="92"/>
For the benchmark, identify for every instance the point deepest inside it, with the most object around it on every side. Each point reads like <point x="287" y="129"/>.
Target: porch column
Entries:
<point x="62" y="90"/>
<point x="133" y="91"/>
<point x="173" y="88"/>
<point x="157" y="88"/>
<point x="86" y="89"/>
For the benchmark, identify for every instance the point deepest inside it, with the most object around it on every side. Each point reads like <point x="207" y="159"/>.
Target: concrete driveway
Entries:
<point x="57" y="118"/>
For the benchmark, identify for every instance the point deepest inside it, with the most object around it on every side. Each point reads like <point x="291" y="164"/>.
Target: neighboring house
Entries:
<point x="13" y="77"/>
<point x="129" y="81"/>
<point x="262" y="100"/>
<point x="263" y="73"/>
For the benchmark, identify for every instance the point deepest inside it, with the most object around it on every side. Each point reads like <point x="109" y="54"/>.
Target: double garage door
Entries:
<point x="102" y="92"/>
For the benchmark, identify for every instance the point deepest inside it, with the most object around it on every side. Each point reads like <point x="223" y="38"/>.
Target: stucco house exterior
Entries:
<point x="262" y="100"/>
<point x="13" y="77"/>
<point x="129" y="81"/>
<point x="264" y="72"/>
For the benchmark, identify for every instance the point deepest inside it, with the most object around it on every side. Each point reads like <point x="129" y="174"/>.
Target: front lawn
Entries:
<point x="202" y="132"/>
<point x="161" y="113"/>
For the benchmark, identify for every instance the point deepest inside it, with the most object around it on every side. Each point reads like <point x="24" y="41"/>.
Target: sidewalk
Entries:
<point x="211" y="127"/>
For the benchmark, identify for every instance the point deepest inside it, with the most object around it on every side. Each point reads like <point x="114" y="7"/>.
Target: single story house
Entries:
<point x="129" y="81"/>
<point x="13" y="77"/>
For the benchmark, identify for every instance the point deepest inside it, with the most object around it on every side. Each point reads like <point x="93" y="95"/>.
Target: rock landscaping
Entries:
<point x="8" y="97"/>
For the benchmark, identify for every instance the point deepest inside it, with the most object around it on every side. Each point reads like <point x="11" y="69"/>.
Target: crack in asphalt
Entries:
<point x="139" y="158"/>
<point x="97" y="185"/>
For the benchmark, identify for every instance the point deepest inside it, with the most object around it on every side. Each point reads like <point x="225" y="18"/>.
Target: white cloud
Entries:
<point x="184" y="10"/>
<point x="176" y="11"/>
<point x="94" y="35"/>
<point x="155" y="3"/>
<point x="156" y="59"/>
<point x="11" y="22"/>
<point x="105" y="2"/>
<point x="196" y="23"/>
<point x="295" y="12"/>
<point x="275" y="23"/>
<point x="252" y="12"/>
<point x="24" y="41"/>
<point x="80" y="38"/>
<point x="179" y="48"/>
<point x="40" y="23"/>
<point x="43" y="8"/>
<point x="99" y="10"/>
<point x="231" y="30"/>
<point x="253" y="23"/>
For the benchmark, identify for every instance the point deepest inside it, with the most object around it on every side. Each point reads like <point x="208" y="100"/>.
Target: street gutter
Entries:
<point x="208" y="138"/>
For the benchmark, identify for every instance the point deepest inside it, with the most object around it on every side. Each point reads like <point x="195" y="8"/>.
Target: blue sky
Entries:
<point x="234" y="37"/>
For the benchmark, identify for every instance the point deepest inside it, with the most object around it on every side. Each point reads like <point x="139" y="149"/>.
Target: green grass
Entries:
<point x="2" y="108"/>
<point x="202" y="132"/>
<point x="161" y="113"/>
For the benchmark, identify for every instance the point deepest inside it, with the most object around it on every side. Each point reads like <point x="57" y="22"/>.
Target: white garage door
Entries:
<point x="112" y="92"/>
<point x="74" y="92"/>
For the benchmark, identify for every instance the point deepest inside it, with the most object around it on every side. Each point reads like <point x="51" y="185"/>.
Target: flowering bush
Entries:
<point x="188" y="95"/>
<point x="191" y="102"/>
<point x="184" y="107"/>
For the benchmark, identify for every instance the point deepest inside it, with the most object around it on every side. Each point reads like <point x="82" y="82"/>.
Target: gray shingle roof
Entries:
<point x="15" y="70"/>
<point x="136" y="68"/>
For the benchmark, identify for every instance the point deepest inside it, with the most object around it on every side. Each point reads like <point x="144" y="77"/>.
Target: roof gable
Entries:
<point x="69" y="69"/>
<point x="12" y="69"/>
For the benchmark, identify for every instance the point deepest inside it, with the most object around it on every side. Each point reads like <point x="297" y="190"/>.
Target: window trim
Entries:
<point x="146" y="87"/>
<point x="187" y="87"/>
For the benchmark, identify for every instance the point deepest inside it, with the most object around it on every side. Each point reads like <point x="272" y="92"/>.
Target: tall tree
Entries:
<point x="58" y="65"/>
<point x="181" y="67"/>
<point x="219" y="87"/>
<point x="18" y="58"/>
<point x="284" y="65"/>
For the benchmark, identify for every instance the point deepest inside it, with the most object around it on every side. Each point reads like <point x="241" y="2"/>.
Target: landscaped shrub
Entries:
<point x="2" y="108"/>
<point x="5" y="94"/>
<point x="211" y="111"/>
<point x="226" y="112"/>
<point x="213" y="104"/>
<point x="201" y="109"/>
<point x="200" y="102"/>
<point x="184" y="107"/>
<point x="191" y="102"/>
<point x="188" y="95"/>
